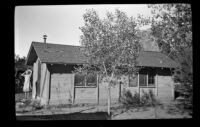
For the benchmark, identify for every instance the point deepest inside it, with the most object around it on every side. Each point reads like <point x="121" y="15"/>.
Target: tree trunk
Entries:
<point x="109" y="100"/>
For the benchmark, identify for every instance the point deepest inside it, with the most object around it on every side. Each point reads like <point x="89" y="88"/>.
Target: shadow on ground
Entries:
<point x="72" y="116"/>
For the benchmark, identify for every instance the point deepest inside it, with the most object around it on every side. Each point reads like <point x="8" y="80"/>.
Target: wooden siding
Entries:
<point x="60" y="91"/>
<point x="35" y="76"/>
<point x="85" y="95"/>
<point x="165" y="88"/>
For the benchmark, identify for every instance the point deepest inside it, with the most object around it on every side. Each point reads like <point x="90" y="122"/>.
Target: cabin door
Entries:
<point x="60" y="91"/>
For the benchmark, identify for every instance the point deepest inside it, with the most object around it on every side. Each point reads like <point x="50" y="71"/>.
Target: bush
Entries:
<point x="36" y="104"/>
<point x="186" y="91"/>
<point x="129" y="100"/>
<point x="147" y="99"/>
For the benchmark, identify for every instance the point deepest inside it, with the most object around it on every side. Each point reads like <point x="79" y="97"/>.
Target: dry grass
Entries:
<point x="169" y="111"/>
<point x="21" y="96"/>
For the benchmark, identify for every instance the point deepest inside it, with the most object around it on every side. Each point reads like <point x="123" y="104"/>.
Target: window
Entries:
<point x="79" y="80"/>
<point x="89" y="80"/>
<point x="143" y="80"/>
<point x="147" y="78"/>
<point x="151" y="80"/>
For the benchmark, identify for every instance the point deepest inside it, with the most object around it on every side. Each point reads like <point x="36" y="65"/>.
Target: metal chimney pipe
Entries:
<point x="44" y="37"/>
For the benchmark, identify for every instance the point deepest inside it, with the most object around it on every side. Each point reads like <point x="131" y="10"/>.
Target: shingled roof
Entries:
<point x="155" y="59"/>
<point x="54" y="53"/>
<point x="68" y="54"/>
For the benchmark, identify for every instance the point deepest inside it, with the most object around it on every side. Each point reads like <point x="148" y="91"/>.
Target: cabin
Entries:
<point x="55" y="83"/>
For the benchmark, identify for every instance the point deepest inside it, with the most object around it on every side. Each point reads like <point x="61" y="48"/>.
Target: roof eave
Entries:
<point x="31" y="48"/>
<point x="62" y="63"/>
<point x="26" y="63"/>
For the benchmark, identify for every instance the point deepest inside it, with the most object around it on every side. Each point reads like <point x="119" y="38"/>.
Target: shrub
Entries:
<point x="147" y="99"/>
<point x="130" y="100"/>
<point x="186" y="91"/>
<point x="36" y="104"/>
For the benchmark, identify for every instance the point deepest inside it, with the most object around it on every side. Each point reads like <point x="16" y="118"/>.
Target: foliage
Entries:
<point x="110" y="46"/>
<point x="147" y="40"/>
<point x="128" y="99"/>
<point x="172" y="28"/>
<point x="147" y="99"/>
<point x="20" y="67"/>
<point x="186" y="92"/>
<point x="36" y="104"/>
<point x="19" y="61"/>
<point x="172" y="25"/>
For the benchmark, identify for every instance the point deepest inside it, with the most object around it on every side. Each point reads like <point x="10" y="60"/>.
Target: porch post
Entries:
<point x="147" y="80"/>
<point x="73" y="89"/>
<point x="156" y="83"/>
<point x="172" y="87"/>
<point x="138" y="83"/>
<point x="47" y="86"/>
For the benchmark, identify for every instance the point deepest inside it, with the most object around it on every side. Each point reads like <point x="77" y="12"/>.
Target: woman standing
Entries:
<point x="27" y="84"/>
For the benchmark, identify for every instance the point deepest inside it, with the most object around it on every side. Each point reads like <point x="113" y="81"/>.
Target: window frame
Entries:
<point x="147" y="81"/>
<point x="85" y="83"/>
<point x="151" y="78"/>
<point x="144" y="76"/>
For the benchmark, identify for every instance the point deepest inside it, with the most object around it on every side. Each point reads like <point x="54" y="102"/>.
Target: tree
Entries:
<point x="147" y="40"/>
<point x="172" y="27"/>
<point x="19" y="68"/>
<point x="110" y="46"/>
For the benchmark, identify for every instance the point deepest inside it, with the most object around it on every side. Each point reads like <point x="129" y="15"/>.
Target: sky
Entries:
<point x="60" y="22"/>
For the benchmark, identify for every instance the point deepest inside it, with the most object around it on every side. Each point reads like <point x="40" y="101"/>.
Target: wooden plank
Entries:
<point x="62" y="88"/>
<point x="47" y="86"/>
<point x="45" y="77"/>
<point x="97" y="92"/>
<point x="43" y="74"/>
<point x="34" y="80"/>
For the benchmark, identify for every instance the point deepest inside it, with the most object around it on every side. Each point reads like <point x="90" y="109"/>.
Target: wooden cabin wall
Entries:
<point x="62" y="74"/>
<point x="165" y="89"/>
<point x="61" y="84"/>
<point x="85" y="95"/>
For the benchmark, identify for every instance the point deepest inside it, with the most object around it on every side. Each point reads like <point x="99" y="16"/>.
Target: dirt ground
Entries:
<point x="118" y="112"/>
<point x="161" y="112"/>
